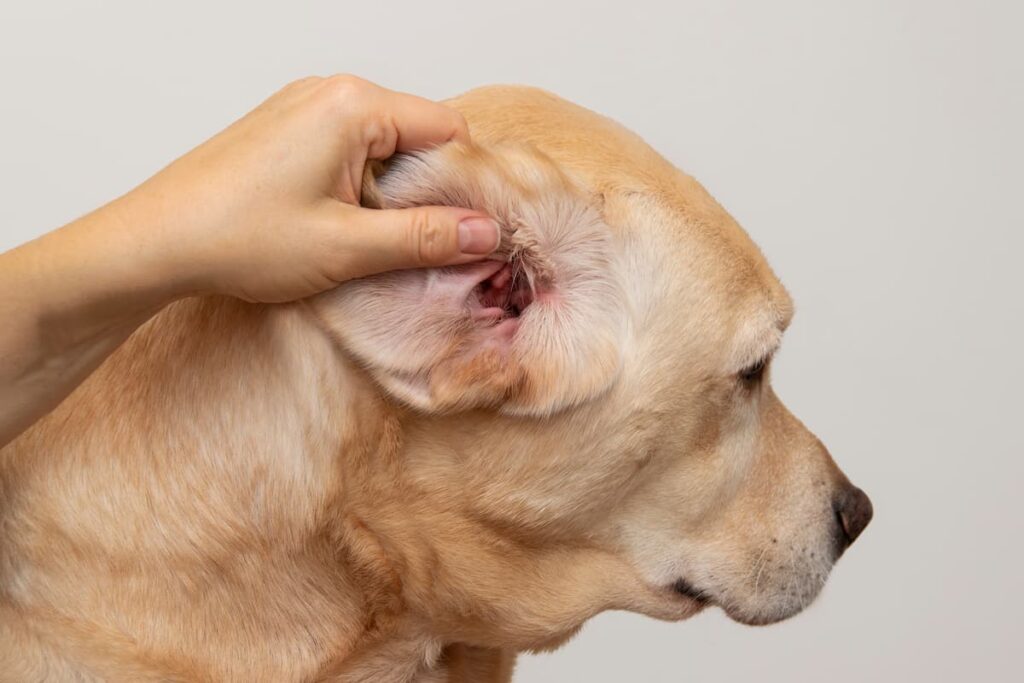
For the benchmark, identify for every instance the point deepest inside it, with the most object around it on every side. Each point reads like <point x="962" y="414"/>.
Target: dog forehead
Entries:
<point x="630" y="178"/>
<point x="602" y="154"/>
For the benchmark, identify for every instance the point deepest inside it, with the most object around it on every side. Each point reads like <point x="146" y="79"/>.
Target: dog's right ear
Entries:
<point x="538" y="328"/>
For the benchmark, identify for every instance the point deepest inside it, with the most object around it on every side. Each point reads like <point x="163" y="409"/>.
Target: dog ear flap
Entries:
<point x="537" y="329"/>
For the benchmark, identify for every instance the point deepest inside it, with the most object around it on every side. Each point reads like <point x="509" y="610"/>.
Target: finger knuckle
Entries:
<point x="345" y="87"/>
<point x="380" y="136"/>
<point x="347" y="99"/>
<point x="430" y="239"/>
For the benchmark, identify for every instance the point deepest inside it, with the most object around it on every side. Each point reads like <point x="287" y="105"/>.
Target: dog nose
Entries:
<point x="853" y="510"/>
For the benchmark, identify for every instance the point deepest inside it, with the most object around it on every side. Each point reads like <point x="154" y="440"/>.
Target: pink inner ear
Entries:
<point x="499" y="300"/>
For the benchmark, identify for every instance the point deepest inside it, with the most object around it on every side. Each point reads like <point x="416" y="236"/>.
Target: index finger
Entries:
<point x="422" y="123"/>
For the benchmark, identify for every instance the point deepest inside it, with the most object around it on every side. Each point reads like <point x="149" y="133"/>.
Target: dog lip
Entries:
<point x="687" y="589"/>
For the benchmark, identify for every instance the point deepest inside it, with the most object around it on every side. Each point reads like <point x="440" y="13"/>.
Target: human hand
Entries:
<point x="267" y="210"/>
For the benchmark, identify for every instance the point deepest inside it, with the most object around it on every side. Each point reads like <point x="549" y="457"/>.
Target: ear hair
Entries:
<point x="386" y="185"/>
<point x="413" y="328"/>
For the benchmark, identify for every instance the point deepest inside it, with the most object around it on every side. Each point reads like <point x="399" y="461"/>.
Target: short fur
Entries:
<point x="376" y="484"/>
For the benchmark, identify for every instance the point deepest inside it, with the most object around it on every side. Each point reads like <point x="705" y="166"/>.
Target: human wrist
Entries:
<point x="108" y="268"/>
<point x="157" y="262"/>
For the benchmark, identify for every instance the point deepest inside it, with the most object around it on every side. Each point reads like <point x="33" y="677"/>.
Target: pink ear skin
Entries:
<point x="460" y="284"/>
<point x="493" y="296"/>
<point x="499" y="300"/>
<point x="536" y="329"/>
<point x="482" y="369"/>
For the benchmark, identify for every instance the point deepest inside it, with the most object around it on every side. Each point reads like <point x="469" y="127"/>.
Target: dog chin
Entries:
<point x="761" y="618"/>
<point x="767" y="615"/>
<point x="694" y="599"/>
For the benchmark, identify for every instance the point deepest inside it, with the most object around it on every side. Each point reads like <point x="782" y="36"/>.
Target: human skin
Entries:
<point x="267" y="211"/>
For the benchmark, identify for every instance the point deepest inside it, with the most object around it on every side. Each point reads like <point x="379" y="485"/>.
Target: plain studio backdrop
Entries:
<point x="873" y="149"/>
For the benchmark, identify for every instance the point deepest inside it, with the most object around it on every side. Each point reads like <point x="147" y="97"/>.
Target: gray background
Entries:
<point x="873" y="149"/>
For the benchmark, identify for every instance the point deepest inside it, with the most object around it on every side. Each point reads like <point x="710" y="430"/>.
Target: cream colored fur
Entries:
<point x="374" y="485"/>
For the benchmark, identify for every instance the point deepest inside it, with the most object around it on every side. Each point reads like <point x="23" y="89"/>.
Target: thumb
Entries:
<point x="423" y="236"/>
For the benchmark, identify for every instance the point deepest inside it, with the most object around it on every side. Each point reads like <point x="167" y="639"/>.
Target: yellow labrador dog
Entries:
<point x="418" y="474"/>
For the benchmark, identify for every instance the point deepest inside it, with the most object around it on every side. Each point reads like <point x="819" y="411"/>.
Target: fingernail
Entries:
<point x="478" y="236"/>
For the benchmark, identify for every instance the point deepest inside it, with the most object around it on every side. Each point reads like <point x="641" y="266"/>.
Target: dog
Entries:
<point x="418" y="474"/>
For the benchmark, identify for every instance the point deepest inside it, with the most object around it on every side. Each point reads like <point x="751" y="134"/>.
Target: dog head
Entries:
<point x="593" y="406"/>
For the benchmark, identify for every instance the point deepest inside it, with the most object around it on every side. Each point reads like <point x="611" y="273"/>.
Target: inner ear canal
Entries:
<point x="503" y="296"/>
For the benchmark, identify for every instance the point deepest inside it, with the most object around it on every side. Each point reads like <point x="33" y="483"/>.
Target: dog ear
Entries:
<point x="538" y="328"/>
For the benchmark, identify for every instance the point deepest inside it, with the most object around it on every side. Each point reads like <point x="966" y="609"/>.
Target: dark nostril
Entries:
<point x="854" y="510"/>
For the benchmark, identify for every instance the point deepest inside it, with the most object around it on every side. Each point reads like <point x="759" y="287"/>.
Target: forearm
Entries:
<point x="68" y="300"/>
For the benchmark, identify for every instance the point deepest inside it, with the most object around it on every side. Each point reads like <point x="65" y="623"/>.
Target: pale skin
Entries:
<point x="267" y="211"/>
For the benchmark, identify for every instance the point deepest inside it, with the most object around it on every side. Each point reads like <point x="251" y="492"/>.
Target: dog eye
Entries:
<point x="753" y="373"/>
